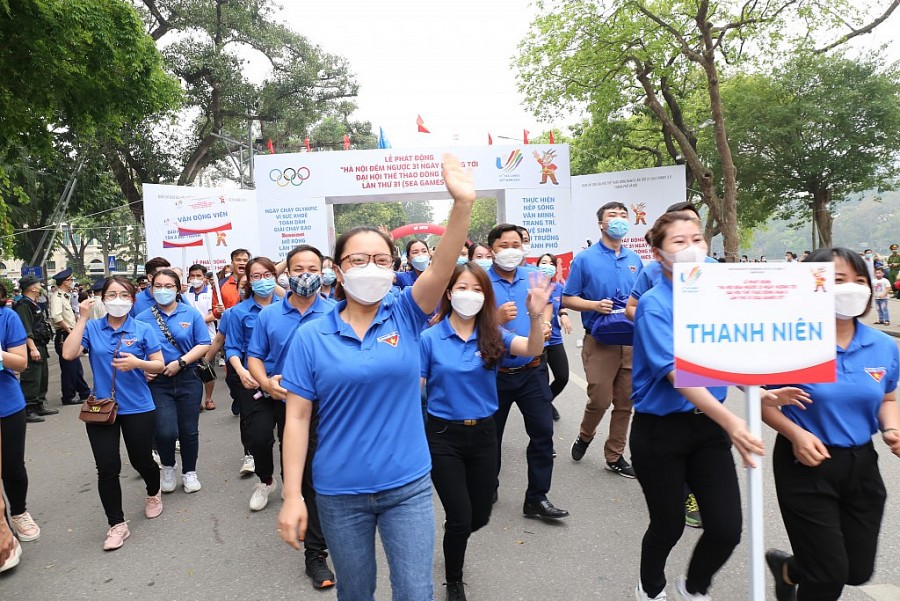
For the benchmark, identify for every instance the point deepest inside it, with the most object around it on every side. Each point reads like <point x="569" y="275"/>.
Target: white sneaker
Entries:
<point x="640" y="595"/>
<point x="177" y="446"/>
<point x="190" y="482"/>
<point x="157" y="459"/>
<point x="260" y="497"/>
<point x="684" y="595"/>
<point x="249" y="466"/>
<point x="167" y="479"/>
<point x="25" y="527"/>
<point x="221" y="362"/>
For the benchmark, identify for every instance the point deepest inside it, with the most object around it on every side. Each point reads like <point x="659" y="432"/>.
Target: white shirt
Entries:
<point x="202" y="301"/>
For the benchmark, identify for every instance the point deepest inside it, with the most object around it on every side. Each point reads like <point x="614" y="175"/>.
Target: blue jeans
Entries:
<point x="404" y="517"/>
<point x="177" y="401"/>
<point x="882" y="305"/>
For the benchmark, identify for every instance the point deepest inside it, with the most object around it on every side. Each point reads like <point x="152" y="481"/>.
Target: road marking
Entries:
<point x="882" y="592"/>
<point x="573" y="377"/>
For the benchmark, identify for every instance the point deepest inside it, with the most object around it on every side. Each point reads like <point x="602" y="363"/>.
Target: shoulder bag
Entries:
<point x="102" y="412"/>
<point x="614" y="328"/>
<point x="205" y="371"/>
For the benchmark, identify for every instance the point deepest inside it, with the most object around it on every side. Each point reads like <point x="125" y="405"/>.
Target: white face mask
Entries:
<point x="466" y="302"/>
<point x="368" y="285"/>
<point x="850" y="300"/>
<point x="284" y="281"/>
<point x="118" y="307"/>
<point x="526" y="248"/>
<point x="508" y="258"/>
<point x="691" y="254"/>
<point x="196" y="283"/>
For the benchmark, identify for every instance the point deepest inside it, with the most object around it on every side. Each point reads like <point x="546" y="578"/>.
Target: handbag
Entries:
<point x="102" y="412"/>
<point x="205" y="371"/>
<point x="614" y="328"/>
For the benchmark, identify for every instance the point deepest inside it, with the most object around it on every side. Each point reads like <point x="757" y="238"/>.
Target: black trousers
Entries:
<point x="558" y="362"/>
<point x="238" y="394"/>
<point x="464" y="472"/>
<point x="137" y="430"/>
<point x="530" y="390"/>
<point x="832" y="514"/>
<point x="35" y="380"/>
<point x="13" y="473"/>
<point x="71" y="373"/>
<point x="666" y="452"/>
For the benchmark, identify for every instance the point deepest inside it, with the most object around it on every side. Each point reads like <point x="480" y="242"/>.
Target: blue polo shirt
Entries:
<point x="100" y="340"/>
<point x="275" y="329"/>
<point x="650" y="276"/>
<point x="186" y="326"/>
<point x="12" y="334"/>
<point x="654" y="356"/>
<point x="371" y="435"/>
<point x="845" y="413"/>
<point x="406" y="278"/>
<point x="240" y="327"/>
<point x="517" y="292"/>
<point x="459" y="386"/>
<point x="143" y="300"/>
<point x="597" y="273"/>
<point x="555" y="332"/>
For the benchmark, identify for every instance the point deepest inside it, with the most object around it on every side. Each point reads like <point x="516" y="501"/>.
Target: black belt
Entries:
<point x="461" y="422"/>
<point x="536" y="362"/>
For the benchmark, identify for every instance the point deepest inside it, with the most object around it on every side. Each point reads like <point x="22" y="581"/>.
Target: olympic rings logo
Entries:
<point x="289" y="176"/>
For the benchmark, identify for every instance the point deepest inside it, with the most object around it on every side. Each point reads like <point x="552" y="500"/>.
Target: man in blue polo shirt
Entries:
<point x="272" y="336"/>
<point x="143" y="300"/>
<point x="600" y="277"/>
<point x="523" y="380"/>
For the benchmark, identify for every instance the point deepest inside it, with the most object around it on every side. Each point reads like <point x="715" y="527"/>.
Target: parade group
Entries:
<point x="397" y="383"/>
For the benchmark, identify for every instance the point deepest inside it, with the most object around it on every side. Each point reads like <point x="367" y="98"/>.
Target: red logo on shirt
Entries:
<point x="393" y="339"/>
<point x="877" y="373"/>
<point x="185" y="324"/>
<point x="129" y="342"/>
<point x="632" y="268"/>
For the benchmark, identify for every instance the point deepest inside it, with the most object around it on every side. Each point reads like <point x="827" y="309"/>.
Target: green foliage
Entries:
<point x="484" y="218"/>
<point x="388" y="214"/>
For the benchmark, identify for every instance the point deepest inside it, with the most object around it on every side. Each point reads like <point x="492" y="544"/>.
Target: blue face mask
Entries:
<point x="461" y="260"/>
<point x="305" y="284"/>
<point x="328" y="277"/>
<point x="164" y="296"/>
<point x="547" y="270"/>
<point x="264" y="287"/>
<point x="616" y="228"/>
<point x="484" y="263"/>
<point x="420" y="262"/>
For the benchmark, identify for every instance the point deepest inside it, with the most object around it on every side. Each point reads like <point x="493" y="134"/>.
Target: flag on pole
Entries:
<point x="306" y="143"/>
<point x="270" y="146"/>
<point x="421" y="124"/>
<point x="490" y="139"/>
<point x="525" y="135"/>
<point x="552" y="141"/>
<point x="346" y="142"/>
<point x="383" y="142"/>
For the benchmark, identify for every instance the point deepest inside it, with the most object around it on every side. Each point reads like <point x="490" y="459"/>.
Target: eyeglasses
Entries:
<point x="268" y="275"/>
<point x="114" y="295"/>
<point x="165" y="286"/>
<point x="362" y="259"/>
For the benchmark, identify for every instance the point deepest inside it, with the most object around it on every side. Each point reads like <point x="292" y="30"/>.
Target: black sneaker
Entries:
<point x="579" y="448"/>
<point x="318" y="571"/>
<point x="555" y="413"/>
<point x="621" y="467"/>
<point x="456" y="591"/>
<point x="776" y="559"/>
<point x="33" y="418"/>
<point x="42" y="410"/>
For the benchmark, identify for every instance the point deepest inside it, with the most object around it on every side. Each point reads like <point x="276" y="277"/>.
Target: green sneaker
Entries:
<point x="692" y="517"/>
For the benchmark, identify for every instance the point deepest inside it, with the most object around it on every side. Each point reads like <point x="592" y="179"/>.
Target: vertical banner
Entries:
<point x="177" y="218"/>
<point x="546" y="213"/>
<point x="645" y="192"/>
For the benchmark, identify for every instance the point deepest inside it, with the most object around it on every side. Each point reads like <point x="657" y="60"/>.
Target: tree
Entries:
<point x="484" y="218"/>
<point x="818" y="129"/>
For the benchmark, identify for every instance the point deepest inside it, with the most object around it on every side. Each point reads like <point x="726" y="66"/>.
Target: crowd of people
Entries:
<point x="398" y="383"/>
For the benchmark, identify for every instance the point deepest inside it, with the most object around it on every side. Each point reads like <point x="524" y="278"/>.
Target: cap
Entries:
<point x="27" y="281"/>
<point x="141" y="279"/>
<point x="893" y="247"/>
<point x="98" y="286"/>
<point x="63" y="275"/>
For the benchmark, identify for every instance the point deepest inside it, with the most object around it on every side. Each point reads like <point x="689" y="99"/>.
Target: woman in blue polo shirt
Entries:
<point x="683" y="435"/>
<point x="557" y="360"/>
<point x="460" y="357"/>
<point x="418" y="257"/>
<point x="830" y="490"/>
<point x="123" y="347"/>
<point x="480" y="253"/>
<point x="328" y="277"/>
<point x="14" y="358"/>
<point x="177" y="390"/>
<point x="360" y="364"/>
<point x="259" y="291"/>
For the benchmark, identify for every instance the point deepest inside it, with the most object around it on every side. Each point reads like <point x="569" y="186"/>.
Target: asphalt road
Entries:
<point x="209" y="545"/>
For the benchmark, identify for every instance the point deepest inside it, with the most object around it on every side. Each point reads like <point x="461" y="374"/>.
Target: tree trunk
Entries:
<point x="822" y="216"/>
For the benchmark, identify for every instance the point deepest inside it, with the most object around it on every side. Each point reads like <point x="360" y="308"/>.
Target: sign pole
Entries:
<point x="212" y="268"/>
<point x="755" y="501"/>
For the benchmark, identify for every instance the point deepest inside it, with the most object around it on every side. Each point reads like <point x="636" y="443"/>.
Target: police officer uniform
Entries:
<point x="35" y="379"/>
<point x="63" y="318"/>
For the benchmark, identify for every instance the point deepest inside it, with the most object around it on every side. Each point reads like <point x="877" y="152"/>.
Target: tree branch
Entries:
<point x="685" y="47"/>
<point x="862" y="30"/>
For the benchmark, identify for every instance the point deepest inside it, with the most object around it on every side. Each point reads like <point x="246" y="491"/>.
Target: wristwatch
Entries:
<point x="181" y="362"/>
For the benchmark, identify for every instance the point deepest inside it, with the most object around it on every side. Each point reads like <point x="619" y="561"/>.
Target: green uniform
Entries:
<point x="35" y="379"/>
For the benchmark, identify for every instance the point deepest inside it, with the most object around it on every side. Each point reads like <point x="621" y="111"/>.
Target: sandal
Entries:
<point x="209" y="405"/>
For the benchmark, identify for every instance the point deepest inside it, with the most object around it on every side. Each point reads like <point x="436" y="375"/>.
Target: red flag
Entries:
<point x="525" y="136"/>
<point x="306" y="143"/>
<point x="490" y="139"/>
<point x="270" y="146"/>
<point x="421" y="123"/>
<point x="552" y="141"/>
<point x="346" y="142"/>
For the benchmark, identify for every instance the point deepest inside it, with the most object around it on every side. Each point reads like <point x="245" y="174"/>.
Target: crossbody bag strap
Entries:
<point x="165" y="329"/>
<point x="112" y="392"/>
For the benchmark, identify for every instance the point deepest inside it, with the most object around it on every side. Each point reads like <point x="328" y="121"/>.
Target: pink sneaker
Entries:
<point x="116" y="536"/>
<point x="154" y="506"/>
<point x="25" y="527"/>
<point x="13" y="560"/>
